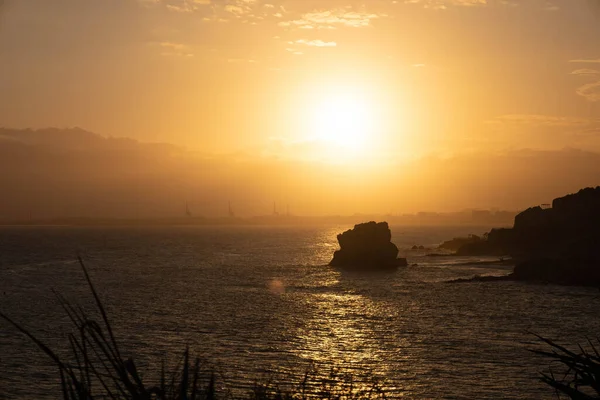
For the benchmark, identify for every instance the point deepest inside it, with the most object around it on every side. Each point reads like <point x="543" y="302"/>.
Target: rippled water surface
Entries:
<point x="256" y="302"/>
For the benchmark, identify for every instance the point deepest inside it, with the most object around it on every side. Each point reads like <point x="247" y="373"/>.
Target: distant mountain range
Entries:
<point x="73" y="173"/>
<point x="73" y="139"/>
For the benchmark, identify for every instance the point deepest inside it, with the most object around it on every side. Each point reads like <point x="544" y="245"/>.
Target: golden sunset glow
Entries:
<point x="209" y="158"/>
<point x="343" y="120"/>
<point x="334" y="106"/>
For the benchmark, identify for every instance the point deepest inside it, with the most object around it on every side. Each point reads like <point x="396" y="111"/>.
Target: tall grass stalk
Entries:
<point x="578" y="372"/>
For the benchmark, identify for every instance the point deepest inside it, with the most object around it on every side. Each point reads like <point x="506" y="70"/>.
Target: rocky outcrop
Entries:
<point x="561" y="271"/>
<point x="494" y="243"/>
<point x="367" y="247"/>
<point x="568" y="272"/>
<point x="559" y="245"/>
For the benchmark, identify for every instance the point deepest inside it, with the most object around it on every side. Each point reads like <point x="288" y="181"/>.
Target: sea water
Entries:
<point x="259" y="303"/>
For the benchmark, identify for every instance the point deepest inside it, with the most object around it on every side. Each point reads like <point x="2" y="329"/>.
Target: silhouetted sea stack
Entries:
<point x="367" y="247"/>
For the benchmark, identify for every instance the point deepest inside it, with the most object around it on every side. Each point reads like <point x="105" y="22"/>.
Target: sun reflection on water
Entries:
<point x="344" y="334"/>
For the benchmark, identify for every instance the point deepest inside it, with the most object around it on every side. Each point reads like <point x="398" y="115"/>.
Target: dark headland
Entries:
<point x="558" y="244"/>
<point x="367" y="247"/>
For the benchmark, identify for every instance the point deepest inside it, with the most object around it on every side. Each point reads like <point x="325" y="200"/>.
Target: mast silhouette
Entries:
<point x="188" y="213"/>
<point x="230" y="211"/>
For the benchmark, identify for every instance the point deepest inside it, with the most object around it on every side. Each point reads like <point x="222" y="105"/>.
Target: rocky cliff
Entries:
<point x="560" y="244"/>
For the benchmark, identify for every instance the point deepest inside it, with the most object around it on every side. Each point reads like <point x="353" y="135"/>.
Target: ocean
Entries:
<point x="258" y="303"/>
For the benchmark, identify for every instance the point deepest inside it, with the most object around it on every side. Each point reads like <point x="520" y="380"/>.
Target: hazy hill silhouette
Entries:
<point x="52" y="172"/>
<point x="74" y="139"/>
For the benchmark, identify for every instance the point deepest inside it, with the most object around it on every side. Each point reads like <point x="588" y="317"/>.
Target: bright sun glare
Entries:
<point x="343" y="121"/>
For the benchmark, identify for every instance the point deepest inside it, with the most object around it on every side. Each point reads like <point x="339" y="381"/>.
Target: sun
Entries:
<point x="342" y="120"/>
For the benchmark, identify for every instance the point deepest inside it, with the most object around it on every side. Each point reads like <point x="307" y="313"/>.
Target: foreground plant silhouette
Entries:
<point x="99" y="371"/>
<point x="579" y="371"/>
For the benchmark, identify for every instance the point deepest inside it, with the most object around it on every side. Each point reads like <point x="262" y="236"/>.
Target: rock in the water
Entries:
<point x="367" y="246"/>
<point x="554" y="245"/>
<point x="458" y="242"/>
<point x="573" y="271"/>
<point x="570" y="229"/>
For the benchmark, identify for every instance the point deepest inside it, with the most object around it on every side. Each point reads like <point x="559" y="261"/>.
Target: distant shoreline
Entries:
<point x="251" y="221"/>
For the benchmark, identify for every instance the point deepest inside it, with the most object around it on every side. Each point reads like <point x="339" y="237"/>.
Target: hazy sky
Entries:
<point x="249" y="75"/>
<point x="414" y="104"/>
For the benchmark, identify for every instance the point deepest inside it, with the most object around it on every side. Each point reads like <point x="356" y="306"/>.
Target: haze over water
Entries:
<point x="260" y="301"/>
<point x="328" y="106"/>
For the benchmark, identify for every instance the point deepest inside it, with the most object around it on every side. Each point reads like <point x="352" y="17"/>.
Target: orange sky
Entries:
<point x="228" y="75"/>
<point x="400" y="80"/>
